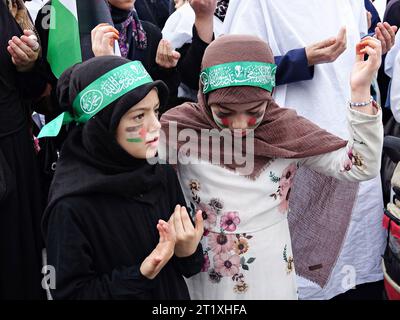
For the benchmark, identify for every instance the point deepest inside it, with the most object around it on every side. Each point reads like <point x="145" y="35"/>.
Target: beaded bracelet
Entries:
<point x="361" y="104"/>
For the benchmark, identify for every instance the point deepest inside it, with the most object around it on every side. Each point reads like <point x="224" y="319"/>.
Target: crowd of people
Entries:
<point x="198" y="149"/>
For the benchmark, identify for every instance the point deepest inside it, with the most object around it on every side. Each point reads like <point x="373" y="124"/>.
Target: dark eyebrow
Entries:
<point x="144" y="109"/>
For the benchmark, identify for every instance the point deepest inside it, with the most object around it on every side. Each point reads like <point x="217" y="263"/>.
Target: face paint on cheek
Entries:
<point x="221" y="122"/>
<point x="136" y="134"/>
<point x="254" y="121"/>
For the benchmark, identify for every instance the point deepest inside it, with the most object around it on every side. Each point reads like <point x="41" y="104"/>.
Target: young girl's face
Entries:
<point x="139" y="129"/>
<point x="226" y="116"/>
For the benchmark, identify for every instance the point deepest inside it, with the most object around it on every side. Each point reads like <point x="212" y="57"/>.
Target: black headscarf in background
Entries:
<point x="154" y="11"/>
<point x="91" y="159"/>
<point x="132" y="35"/>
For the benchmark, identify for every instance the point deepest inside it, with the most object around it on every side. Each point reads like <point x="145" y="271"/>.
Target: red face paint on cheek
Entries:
<point x="225" y="122"/>
<point x="252" y="122"/>
<point x="143" y="133"/>
<point x="222" y="122"/>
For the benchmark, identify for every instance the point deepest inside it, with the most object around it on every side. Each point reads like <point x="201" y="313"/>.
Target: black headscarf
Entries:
<point x="132" y="36"/>
<point x="91" y="160"/>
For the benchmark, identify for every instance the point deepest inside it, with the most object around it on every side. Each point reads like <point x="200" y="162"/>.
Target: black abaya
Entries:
<point x="20" y="196"/>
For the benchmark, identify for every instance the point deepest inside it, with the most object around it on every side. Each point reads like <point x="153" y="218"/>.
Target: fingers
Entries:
<point x="391" y="31"/>
<point x="369" y="19"/>
<point x="199" y="223"/>
<point x="373" y="49"/>
<point x="180" y="229"/>
<point x="166" y="57"/>
<point x="28" y="32"/>
<point x="341" y="42"/>
<point x="168" y="52"/>
<point x="186" y="221"/>
<point x="14" y="56"/>
<point x="103" y="37"/>
<point x="161" y="232"/>
<point x="384" y="36"/>
<point x="342" y="34"/>
<point x="108" y="39"/>
<point x="326" y="43"/>
<point x="30" y="41"/>
<point x="23" y="51"/>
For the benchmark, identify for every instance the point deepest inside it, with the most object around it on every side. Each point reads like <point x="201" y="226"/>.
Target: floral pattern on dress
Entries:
<point x="224" y="254"/>
<point x="354" y="158"/>
<point x="229" y="258"/>
<point x="285" y="186"/>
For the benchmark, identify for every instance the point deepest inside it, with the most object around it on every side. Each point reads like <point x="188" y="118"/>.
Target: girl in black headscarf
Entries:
<point x="106" y="223"/>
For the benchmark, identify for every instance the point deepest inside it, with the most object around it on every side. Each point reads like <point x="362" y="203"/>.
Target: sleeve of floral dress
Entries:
<point x="361" y="158"/>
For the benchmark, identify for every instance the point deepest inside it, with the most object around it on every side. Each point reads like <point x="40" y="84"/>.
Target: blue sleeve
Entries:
<point x="293" y="67"/>
<point x="375" y="15"/>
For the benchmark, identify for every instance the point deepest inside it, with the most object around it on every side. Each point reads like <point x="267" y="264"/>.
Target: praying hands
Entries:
<point x="24" y="51"/>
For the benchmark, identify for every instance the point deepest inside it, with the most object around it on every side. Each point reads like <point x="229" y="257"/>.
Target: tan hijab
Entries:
<point x="281" y="134"/>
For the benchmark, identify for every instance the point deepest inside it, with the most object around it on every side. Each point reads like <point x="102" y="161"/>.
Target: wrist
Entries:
<point x="309" y="57"/>
<point x="205" y="29"/>
<point x="184" y="253"/>
<point x="360" y="95"/>
<point x="25" y="68"/>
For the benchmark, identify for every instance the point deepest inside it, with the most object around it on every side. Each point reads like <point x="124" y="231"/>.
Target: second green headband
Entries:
<point x="241" y="73"/>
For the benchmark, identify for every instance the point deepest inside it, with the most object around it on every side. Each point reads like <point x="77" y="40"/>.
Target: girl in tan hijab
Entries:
<point x="242" y="185"/>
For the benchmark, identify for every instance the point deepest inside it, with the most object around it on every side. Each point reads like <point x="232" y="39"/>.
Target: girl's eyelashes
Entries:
<point x="138" y="117"/>
<point x="255" y="114"/>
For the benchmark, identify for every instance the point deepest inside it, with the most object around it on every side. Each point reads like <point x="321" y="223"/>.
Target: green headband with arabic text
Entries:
<point x="100" y="94"/>
<point x="241" y="73"/>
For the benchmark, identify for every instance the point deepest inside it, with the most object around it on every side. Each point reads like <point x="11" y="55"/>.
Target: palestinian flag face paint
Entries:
<point x="221" y="121"/>
<point x="253" y="122"/>
<point x="136" y="134"/>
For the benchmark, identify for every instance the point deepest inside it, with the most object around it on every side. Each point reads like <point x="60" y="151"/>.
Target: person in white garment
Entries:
<point x="244" y="202"/>
<point x="289" y="24"/>
<point x="178" y="29"/>
<point x="34" y="6"/>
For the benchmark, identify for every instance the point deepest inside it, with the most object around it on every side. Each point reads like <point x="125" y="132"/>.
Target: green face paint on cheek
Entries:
<point x="136" y="134"/>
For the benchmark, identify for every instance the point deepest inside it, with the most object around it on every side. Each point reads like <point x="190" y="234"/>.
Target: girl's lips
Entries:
<point x="153" y="142"/>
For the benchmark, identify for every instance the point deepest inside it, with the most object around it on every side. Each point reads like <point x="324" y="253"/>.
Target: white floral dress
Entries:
<point x="247" y="245"/>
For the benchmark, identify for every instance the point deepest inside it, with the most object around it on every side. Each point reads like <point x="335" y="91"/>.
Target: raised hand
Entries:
<point x="166" y="57"/>
<point x="164" y="251"/>
<point x="187" y="235"/>
<point x="386" y="34"/>
<point x="203" y="8"/>
<point x="327" y="50"/>
<point x="364" y="70"/>
<point x="103" y="39"/>
<point x="204" y="21"/>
